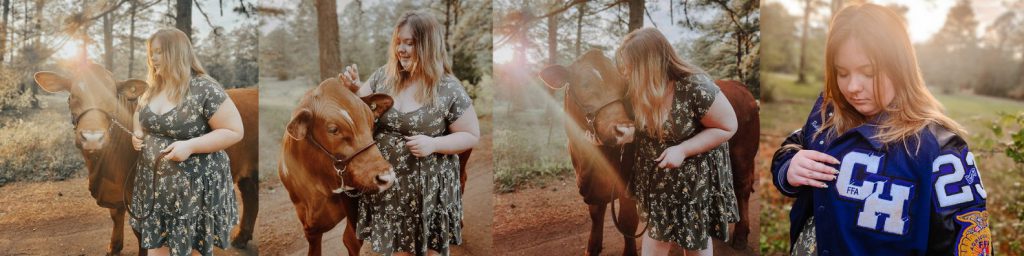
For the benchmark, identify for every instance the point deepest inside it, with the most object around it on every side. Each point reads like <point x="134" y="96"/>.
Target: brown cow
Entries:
<point x="328" y="152"/>
<point x="742" y="150"/>
<point x="101" y="106"/>
<point x="593" y="103"/>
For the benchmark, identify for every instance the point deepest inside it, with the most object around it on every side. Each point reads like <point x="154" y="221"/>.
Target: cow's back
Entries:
<point x="743" y="145"/>
<point x="244" y="154"/>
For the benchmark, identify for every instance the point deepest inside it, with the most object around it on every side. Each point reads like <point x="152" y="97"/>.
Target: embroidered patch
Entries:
<point x="975" y="237"/>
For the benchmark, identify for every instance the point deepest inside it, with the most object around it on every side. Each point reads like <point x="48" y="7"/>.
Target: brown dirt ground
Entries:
<point x="60" y="218"/>
<point x="551" y="219"/>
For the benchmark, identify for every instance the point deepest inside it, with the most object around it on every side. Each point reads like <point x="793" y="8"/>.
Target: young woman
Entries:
<point x="431" y="121"/>
<point x="878" y="169"/>
<point x="185" y="120"/>
<point x="682" y="178"/>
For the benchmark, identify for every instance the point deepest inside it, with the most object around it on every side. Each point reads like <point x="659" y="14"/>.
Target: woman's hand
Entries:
<point x="672" y="157"/>
<point x="807" y="168"/>
<point x="350" y="77"/>
<point x="178" y="151"/>
<point x="137" y="140"/>
<point x="421" y="145"/>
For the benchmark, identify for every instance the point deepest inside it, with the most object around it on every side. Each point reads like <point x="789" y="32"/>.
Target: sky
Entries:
<point x="924" y="18"/>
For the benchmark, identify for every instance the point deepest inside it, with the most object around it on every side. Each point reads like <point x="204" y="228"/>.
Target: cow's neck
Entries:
<point x="119" y="149"/>
<point x="308" y="165"/>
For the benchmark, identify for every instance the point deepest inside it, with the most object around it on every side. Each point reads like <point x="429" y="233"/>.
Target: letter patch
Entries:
<point x="884" y="198"/>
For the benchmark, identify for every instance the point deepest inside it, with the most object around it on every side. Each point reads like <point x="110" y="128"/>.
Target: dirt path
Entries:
<point x="60" y="218"/>
<point x="551" y="219"/>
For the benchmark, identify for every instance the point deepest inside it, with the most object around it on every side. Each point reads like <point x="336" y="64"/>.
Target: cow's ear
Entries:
<point x="379" y="103"/>
<point x="52" y="82"/>
<point x="299" y="125"/>
<point x="132" y="88"/>
<point x="555" y="76"/>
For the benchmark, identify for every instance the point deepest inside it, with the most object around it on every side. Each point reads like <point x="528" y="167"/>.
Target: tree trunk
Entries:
<point x="327" y="38"/>
<point x="183" y="21"/>
<point x="553" y="39"/>
<point x="108" y="42"/>
<point x="636" y="14"/>
<point x="836" y="5"/>
<point x="131" y="40"/>
<point x="447" y="23"/>
<point x="3" y="31"/>
<point x="801" y="77"/>
<point x="579" y="27"/>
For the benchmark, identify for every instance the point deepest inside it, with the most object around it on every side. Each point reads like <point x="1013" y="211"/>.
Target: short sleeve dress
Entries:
<point x="423" y="210"/>
<point x="685" y="205"/>
<point x="193" y="203"/>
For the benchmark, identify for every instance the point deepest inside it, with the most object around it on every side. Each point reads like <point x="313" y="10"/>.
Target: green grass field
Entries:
<point x="1001" y="176"/>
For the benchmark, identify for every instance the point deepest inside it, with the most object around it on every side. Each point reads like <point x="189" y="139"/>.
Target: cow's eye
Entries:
<point x="332" y="129"/>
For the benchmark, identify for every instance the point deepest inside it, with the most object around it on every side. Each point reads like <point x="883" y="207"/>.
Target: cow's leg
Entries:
<point x="117" y="236"/>
<point x="313" y="236"/>
<point x="743" y="186"/>
<point x="352" y="244"/>
<point x="596" y="228"/>
<point x="629" y="220"/>
<point x="138" y="237"/>
<point x="250" y="189"/>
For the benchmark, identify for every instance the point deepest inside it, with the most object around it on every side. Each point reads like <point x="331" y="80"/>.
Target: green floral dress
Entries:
<point x="193" y="204"/>
<point x="423" y="210"/>
<point x="685" y="205"/>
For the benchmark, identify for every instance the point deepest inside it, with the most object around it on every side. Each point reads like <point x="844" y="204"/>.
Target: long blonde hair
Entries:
<point x="650" y="65"/>
<point x="179" y="64"/>
<point x="883" y="35"/>
<point x="431" y="62"/>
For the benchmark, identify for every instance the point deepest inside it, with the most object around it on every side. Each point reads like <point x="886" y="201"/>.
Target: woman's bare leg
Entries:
<point x="653" y="247"/>
<point x="162" y="251"/>
<point x="709" y="251"/>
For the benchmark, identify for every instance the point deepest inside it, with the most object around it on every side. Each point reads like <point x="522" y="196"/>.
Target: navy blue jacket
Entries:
<point x="922" y="199"/>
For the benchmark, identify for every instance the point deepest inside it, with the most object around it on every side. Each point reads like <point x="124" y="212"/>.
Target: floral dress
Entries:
<point x="685" y="205"/>
<point x="423" y="210"/>
<point x="193" y="203"/>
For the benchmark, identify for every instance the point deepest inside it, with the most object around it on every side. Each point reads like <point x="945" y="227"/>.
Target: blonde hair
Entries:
<point x="883" y="35"/>
<point x="179" y="63"/>
<point x="430" y="62"/>
<point x="650" y="65"/>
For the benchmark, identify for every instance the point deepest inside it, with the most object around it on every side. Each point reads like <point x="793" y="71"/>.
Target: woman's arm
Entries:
<point x="719" y="125"/>
<point x="137" y="129"/>
<point x="465" y="133"/>
<point x="350" y="78"/>
<point x="227" y="130"/>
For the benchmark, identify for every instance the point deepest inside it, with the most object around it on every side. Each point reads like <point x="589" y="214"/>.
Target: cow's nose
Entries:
<point x="93" y="135"/>
<point x="386" y="180"/>
<point x="624" y="133"/>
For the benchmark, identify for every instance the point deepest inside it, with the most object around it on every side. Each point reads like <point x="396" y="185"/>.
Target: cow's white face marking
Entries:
<point x="347" y="117"/>
<point x="92" y="135"/>
<point x="597" y="74"/>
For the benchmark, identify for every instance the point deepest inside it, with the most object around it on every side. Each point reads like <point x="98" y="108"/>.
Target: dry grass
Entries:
<point x="1001" y="176"/>
<point x="38" y="145"/>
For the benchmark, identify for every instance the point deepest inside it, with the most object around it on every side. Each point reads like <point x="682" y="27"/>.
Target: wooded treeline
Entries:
<point x="37" y="35"/>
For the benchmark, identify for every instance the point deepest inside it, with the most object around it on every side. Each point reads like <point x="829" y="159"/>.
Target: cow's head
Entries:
<point x="95" y="100"/>
<point x="342" y="124"/>
<point x="595" y="90"/>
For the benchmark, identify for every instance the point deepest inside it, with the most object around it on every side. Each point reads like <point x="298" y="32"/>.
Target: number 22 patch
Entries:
<point x="975" y="237"/>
